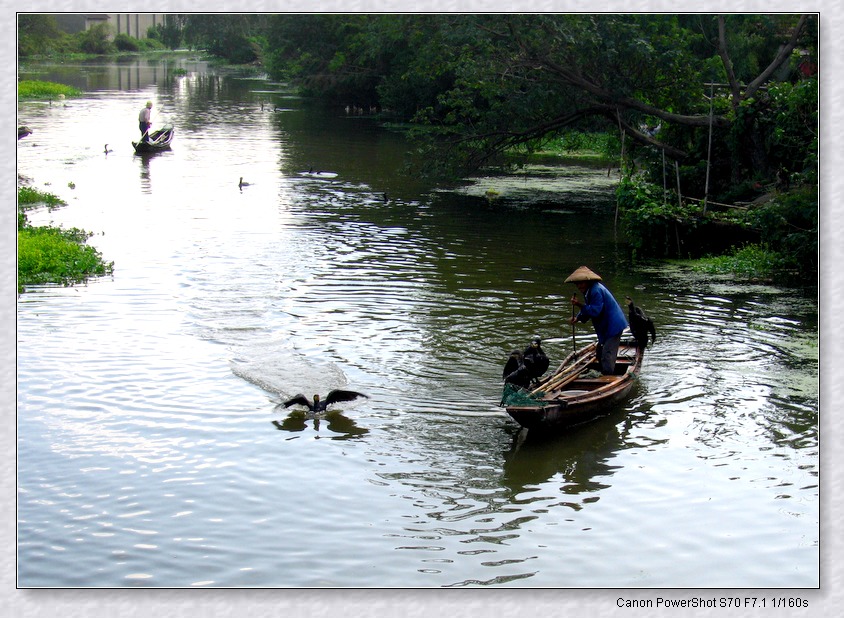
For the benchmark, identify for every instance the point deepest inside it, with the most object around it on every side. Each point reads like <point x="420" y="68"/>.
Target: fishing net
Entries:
<point x="516" y="396"/>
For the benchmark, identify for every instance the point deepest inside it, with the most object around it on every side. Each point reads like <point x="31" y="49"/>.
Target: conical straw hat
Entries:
<point x="583" y="274"/>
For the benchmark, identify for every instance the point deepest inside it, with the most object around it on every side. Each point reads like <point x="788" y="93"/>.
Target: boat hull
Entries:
<point x="574" y="394"/>
<point x="158" y="140"/>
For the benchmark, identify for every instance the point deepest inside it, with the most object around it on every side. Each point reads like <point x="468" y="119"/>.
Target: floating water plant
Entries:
<point x="53" y="255"/>
<point x="36" y="89"/>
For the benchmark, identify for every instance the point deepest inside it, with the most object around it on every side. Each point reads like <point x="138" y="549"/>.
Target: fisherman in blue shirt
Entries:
<point x="606" y="314"/>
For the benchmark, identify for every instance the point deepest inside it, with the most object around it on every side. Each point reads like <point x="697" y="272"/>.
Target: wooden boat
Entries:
<point x="576" y="392"/>
<point x="158" y="140"/>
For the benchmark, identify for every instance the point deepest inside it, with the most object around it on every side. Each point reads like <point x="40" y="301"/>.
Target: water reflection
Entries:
<point x="170" y="370"/>
<point x="334" y="420"/>
<point x="578" y="457"/>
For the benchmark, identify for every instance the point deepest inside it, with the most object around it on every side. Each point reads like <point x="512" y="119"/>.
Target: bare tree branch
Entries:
<point x="782" y="56"/>
<point x="735" y="89"/>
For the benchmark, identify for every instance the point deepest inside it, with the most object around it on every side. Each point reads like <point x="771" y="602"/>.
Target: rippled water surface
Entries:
<point x="153" y="449"/>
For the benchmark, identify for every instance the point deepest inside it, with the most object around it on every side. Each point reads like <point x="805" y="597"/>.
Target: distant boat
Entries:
<point x="158" y="140"/>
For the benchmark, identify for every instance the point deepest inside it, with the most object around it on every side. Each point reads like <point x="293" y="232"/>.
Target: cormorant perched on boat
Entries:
<point x="515" y="371"/>
<point x="319" y="405"/>
<point x="640" y="324"/>
<point x="535" y="359"/>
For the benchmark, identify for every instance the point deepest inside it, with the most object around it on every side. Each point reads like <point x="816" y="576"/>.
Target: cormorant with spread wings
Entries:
<point x="320" y="405"/>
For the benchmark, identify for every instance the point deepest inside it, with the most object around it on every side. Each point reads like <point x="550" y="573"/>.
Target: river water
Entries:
<point x="152" y="447"/>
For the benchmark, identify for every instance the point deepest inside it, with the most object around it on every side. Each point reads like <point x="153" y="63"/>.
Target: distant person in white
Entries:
<point x="145" y="121"/>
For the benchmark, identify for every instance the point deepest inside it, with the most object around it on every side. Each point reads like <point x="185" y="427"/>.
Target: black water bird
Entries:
<point x="640" y="324"/>
<point x="515" y="371"/>
<point x="106" y="149"/>
<point x="320" y="405"/>
<point x="242" y="184"/>
<point x="535" y="359"/>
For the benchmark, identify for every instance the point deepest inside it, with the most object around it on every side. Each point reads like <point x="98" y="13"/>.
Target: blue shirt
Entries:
<point x="605" y="312"/>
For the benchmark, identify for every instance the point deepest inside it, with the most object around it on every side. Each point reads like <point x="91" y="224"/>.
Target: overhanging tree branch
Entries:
<point x="782" y="56"/>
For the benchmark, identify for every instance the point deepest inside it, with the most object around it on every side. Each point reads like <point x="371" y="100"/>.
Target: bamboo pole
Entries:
<point x="679" y="193"/>
<point x="709" y="150"/>
<point x="564" y="377"/>
<point x="621" y="165"/>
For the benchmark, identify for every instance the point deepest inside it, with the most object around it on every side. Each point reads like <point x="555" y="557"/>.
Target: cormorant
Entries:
<point x="515" y="372"/>
<point x="535" y="359"/>
<point x="106" y="149"/>
<point x="242" y="184"/>
<point x="319" y="405"/>
<point x="640" y="324"/>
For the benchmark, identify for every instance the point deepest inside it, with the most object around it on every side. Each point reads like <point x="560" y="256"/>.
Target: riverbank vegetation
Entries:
<point x="47" y="254"/>
<point x="712" y="119"/>
<point x="40" y="36"/>
<point x="37" y="89"/>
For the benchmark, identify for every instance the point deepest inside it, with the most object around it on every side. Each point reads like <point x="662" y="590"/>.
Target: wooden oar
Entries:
<point x="573" y="341"/>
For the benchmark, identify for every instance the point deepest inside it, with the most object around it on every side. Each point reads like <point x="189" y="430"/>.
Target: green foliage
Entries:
<point x="94" y="40"/>
<point x="478" y="86"/>
<point x="169" y="33"/>
<point x="603" y="143"/>
<point x="233" y="37"/>
<point x="35" y="89"/>
<point x="790" y="223"/>
<point x="649" y="216"/>
<point x="794" y="129"/>
<point x="787" y="226"/>
<point x="52" y="255"/>
<point x="29" y="197"/>
<point x="753" y="261"/>
<point x="339" y="59"/>
<point x="124" y="42"/>
<point x="38" y="34"/>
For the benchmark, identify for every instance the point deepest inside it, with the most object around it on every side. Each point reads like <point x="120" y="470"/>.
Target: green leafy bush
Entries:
<point x="126" y="43"/>
<point x="790" y="223"/>
<point x="94" y="40"/>
<point x="649" y="217"/>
